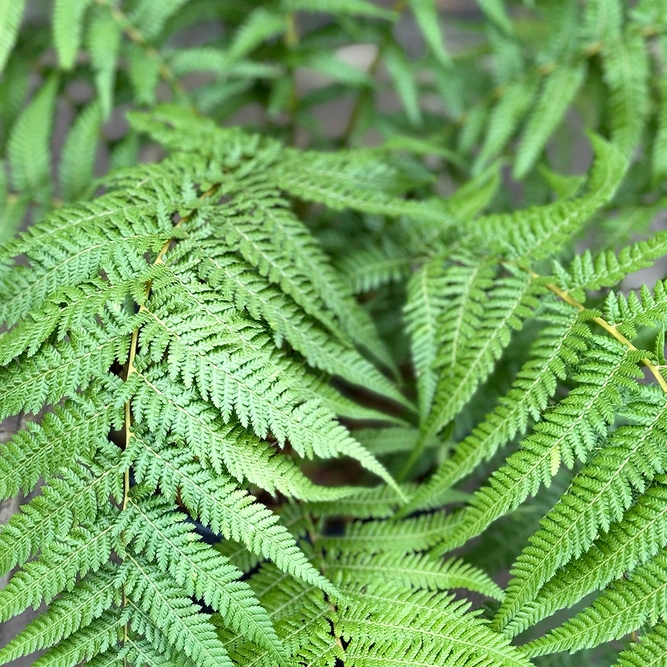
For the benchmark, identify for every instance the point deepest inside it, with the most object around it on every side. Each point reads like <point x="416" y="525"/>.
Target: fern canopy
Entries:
<point x="297" y="395"/>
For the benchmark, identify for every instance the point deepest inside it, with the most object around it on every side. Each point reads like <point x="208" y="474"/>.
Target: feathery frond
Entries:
<point x="274" y="373"/>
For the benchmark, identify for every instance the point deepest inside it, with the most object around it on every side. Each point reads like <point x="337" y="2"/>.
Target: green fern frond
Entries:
<point x="68" y="18"/>
<point x="592" y="272"/>
<point x="340" y="181"/>
<point x="301" y="266"/>
<point x="651" y="652"/>
<point x="72" y="610"/>
<point x="78" y="158"/>
<point x="171" y="611"/>
<point x="103" y="40"/>
<point x="250" y="293"/>
<point x="288" y="601"/>
<point x="150" y="18"/>
<point x="82" y="239"/>
<point x="504" y="121"/>
<point x="423" y="312"/>
<point x="626" y="73"/>
<point x="69" y="310"/>
<point x="405" y="535"/>
<point x="372" y="267"/>
<point x="426" y="13"/>
<point x="475" y="195"/>
<point x="564" y="186"/>
<point x="567" y="432"/>
<point x="58" y="371"/>
<point x="340" y="7"/>
<point x="659" y="155"/>
<point x="29" y="149"/>
<point x="110" y="658"/>
<point x="540" y="231"/>
<point x="40" y="451"/>
<point x="432" y="629"/>
<point x="404" y="82"/>
<point x="555" y="98"/>
<point x="628" y="313"/>
<point x="176" y="299"/>
<point x="466" y="287"/>
<point x="497" y="12"/>
<point x="86" y="643"/>
<point x="383" y="441"/>
<point x="602" y="20"/>
<point x="620" y="609"/>
<point x="511" y="300"/>
<point x="259" y="25"/>
<point x="141" y="651"/>
<point x="311" y="431"/>
<point x="73" y="498"/>
<point x="236" y="330"/>
<point x="144" y="75"/>
<point x="202" y="572"/>
<point x="11" y="13"/>
<point x="630" y="542"/>
<point x="379" y="502"/>
<point x="598" y="496"/>
<point x="58" y="567"/>
<point x="443" y="308"/>
<point x="565" y="18"/>
<point x="557" y="346"/>
<point x="410" y="571"/>
<point x="218" y="503"/>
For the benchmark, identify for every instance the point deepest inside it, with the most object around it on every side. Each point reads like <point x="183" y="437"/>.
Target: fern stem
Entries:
<point x="134" y="342"/>
<point x="291" y="32"/>
<point x="126" y="474"/>
<point x="291" y="42"/>
<point x="372" y="71"/>
<point x="609" y="328"/>
<point x="313" y="536"/>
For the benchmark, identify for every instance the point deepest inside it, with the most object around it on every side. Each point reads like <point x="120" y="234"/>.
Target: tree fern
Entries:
<point x="446" y="635"/>
<point x="505" y="119"/>
<point x="512" y="301"/>
<point x="189" y="414"/>
<point x="301" y="388"/>
<point x="78" y="161"/>
<point x="651" y="651"/>
<point x="30" y="136"/>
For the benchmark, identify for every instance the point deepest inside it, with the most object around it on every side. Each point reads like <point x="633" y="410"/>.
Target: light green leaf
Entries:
<point x="68" y="18"/>
<point x="11" y="13"/>
<point x="78" y="158"/>
<point x="29" y="147"/>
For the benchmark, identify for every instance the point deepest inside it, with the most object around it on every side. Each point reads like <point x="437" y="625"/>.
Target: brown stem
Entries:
<point x="131" y="370"/>
<point x="609" y="328"/>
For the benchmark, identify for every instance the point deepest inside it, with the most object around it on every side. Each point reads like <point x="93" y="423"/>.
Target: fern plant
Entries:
<point x="303" y="397"/>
